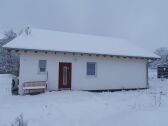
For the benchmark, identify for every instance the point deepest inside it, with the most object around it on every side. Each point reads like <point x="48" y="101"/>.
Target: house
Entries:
<point x="80" y="62"/>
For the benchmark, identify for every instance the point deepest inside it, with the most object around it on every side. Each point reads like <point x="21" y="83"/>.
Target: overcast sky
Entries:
<point x="144" y="22"/>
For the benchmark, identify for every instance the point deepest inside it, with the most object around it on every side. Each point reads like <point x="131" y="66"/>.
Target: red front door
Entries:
<point x="65" y="75"/>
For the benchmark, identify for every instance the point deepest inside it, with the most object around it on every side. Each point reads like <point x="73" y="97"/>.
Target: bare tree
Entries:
<point x="163" y="53"/>
<point x="9" y="61"/>
<point x="10" y="34"/>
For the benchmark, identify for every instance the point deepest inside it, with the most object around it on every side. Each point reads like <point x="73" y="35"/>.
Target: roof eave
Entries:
<point x="142" y="57"/>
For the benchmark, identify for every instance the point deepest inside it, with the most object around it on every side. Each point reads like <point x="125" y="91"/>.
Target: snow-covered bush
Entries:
<point x="20" y="121"/>
<point x="158" y="98"/>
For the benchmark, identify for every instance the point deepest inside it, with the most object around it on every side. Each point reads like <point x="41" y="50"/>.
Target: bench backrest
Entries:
<point x="35" y="85"/>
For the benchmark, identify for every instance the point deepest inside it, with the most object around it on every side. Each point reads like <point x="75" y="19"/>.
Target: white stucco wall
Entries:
<point x="112" y="73"/>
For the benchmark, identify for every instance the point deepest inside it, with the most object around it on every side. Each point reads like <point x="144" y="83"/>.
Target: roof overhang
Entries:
<point x="87" y="53"/>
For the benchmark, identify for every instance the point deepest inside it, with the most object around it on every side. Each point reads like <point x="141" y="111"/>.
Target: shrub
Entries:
<point x="20" y="121"/>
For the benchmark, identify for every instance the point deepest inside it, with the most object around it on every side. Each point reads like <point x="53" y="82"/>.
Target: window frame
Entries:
<point x="95" y="63"/>
<point x="39" y="66"/>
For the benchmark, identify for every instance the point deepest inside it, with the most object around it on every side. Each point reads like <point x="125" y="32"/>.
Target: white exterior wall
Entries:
<point x="112" y="73"/>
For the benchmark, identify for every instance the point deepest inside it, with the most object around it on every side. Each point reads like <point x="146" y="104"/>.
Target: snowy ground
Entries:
<point x="77" y="108"/>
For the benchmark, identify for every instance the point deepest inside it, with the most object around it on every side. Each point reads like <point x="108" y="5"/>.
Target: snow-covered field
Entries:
<point x="78" y="108"/>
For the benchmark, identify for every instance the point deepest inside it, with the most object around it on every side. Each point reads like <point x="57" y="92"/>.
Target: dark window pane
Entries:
<point x="91" y="68"/>
<point x="42" y="69"/>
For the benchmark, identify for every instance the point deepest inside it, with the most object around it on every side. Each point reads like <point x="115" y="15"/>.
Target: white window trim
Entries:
<point x="95" y="69"/>
<point x="39" y="72"/>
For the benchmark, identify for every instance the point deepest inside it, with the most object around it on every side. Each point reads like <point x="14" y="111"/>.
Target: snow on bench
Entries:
<point x="34" y="85"/>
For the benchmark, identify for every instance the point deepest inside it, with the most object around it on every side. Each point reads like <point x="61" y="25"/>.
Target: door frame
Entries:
<point x="60" y="76"/>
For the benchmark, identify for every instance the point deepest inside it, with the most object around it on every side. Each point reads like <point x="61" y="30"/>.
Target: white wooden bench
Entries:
<point x="34" y="87"/>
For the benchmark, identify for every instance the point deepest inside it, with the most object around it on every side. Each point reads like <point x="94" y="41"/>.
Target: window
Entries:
<point x="91" y="68"/>
<point x="65" y="75"/>
<point x="42" y="65"/>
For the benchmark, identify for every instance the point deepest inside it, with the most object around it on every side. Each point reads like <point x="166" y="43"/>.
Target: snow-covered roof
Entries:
<point x="73" y="42"/>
